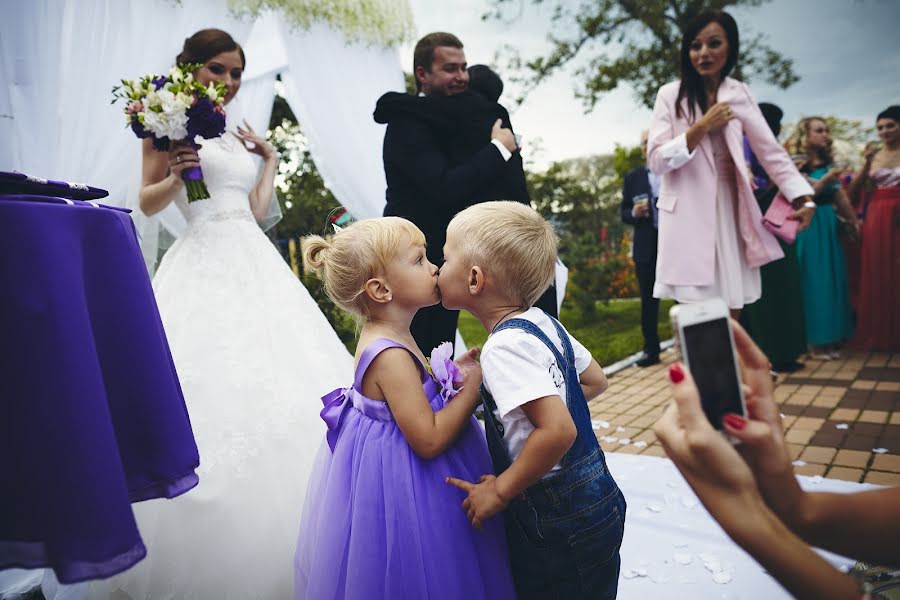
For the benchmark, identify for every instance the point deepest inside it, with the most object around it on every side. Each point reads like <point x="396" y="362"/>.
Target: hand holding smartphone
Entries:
<point x="704" y="336"/>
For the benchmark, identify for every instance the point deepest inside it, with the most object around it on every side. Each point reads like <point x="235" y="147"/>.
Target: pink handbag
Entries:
<point x="776" y="219"/>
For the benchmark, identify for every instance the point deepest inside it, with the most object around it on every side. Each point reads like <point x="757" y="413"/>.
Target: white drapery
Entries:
<point x="59" y="60"/>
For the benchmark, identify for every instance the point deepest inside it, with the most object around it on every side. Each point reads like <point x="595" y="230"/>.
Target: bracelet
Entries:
<point x="809" y="204"/>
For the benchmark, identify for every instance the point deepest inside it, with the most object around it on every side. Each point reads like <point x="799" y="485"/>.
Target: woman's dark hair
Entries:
<point x="772" y="114"/>
<point x="891" y="112"/>
<point x="691" y="87"/>
<point x="206" y="44"/>
<point x="485" y="81"/>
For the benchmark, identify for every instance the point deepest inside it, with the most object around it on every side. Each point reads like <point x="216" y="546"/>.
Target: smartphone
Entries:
<point x="706" y="343"/>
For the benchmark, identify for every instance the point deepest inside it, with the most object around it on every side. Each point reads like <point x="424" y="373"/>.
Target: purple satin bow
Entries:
<point x="336" y="406"/>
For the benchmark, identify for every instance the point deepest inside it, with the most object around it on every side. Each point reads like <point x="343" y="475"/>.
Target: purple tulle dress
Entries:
<point x="380" y="522"/>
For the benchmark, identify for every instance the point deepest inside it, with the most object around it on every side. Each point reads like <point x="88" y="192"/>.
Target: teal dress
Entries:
<point x="823" y="270"/>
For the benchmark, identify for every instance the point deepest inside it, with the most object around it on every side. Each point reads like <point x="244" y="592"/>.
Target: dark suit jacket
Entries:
<point x="439" y="159"/>
<point x="637" y="182"/>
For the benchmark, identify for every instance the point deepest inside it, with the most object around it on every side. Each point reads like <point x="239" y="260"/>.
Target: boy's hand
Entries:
<point x="483" y="501"/>
<point x="468" y="364"/>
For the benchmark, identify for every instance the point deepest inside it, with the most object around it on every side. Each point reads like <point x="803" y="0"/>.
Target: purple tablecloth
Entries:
<point x="91" y="412"/>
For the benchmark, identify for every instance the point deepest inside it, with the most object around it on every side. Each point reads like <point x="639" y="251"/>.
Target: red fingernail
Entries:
<point x="735" y="421"/>
<point x="676" y="375"/>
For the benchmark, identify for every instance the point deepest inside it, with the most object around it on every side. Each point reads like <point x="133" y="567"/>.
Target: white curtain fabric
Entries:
<point x="332" y="87"/>
<point x="61" y="59"/>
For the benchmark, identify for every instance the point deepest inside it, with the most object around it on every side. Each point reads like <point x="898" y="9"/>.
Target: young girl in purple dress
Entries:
<point x="379" y="521"/>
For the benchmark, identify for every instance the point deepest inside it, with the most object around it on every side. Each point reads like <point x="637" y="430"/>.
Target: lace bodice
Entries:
<point x="886" y="177"/>
<point x="230" y="174"/>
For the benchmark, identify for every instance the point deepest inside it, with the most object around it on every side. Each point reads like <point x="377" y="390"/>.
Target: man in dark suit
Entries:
<point x="639" y="197"/>
<point x="433" y="170"/>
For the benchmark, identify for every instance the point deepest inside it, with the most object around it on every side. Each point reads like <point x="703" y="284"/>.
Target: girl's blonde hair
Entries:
<point x="356" y="254"/>
<point x="798" y="143"/>
<point x="512" y="243"/>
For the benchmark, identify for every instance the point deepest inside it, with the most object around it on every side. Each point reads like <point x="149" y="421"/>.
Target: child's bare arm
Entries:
<point x="428" y="433"/>
<point x="593" y="381"/>
<point x="553" y="435"/>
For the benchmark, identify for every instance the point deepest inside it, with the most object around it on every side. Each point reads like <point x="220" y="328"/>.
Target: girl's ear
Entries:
<point x="378" y="291"/>
<point x="476" y="280"/>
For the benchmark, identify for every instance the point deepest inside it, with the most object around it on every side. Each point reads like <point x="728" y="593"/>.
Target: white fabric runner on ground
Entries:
<point x="673" y="549"/>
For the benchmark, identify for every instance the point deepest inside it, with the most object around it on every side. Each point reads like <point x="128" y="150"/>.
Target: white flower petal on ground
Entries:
<point x="879" y="450"/>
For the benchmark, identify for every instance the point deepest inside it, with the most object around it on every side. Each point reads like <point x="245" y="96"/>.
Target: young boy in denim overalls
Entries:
<point x="564" y="513"/>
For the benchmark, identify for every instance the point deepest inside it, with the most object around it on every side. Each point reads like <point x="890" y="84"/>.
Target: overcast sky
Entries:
<point x="847" y="53"/>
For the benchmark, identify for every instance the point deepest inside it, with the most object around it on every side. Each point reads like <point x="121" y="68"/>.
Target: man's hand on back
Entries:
<point x="503" y="135"/>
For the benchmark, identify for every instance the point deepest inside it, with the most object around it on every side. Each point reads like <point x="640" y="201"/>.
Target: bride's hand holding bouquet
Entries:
<point x="172" y="111"/>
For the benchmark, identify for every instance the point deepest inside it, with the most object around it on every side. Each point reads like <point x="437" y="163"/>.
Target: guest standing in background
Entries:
<point x="639" y="195"/>
<point x="711" y="237"/>
<point x="878" y="312"/>
<point x="826" y="295"/>
<point x="776" y="320"/>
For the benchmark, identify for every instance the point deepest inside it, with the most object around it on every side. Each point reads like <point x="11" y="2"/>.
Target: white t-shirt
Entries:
<point x="517" y="368"/>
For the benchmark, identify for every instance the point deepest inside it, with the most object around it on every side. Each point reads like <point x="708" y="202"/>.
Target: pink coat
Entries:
<point x="687" y="196"/>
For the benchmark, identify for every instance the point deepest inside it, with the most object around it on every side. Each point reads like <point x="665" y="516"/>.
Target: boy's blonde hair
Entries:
<point x="356" y="254"/>
<point x="512" y="243"/>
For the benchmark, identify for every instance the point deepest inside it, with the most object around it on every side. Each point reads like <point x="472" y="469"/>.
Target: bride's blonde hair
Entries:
<point x="356" y="254"/>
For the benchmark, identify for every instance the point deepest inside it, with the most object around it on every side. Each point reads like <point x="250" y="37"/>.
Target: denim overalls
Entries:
<point x="564" y="532"/>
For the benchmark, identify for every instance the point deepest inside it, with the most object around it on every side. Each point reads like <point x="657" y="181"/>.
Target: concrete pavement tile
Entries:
<point x="882" y="478"/>
<point x="860" y="442"/>
<point x="874" y="416"/>
<point x="799" y="436"/>
<point x="795" y="450"/>
<point x="852" y="458"/>
<point x="810" y="469"/>
<point x="817" y="412"/>
<point x="845" y="474"/>
<point x="887" y="462"/>
<point x="810" y="423"/>
<point x="826" y="401"/>
<point x="844" y="414"/>
<point x="817" y="454"/>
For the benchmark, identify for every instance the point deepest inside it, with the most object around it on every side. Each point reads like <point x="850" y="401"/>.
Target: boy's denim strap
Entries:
<point x="581" y="447"/>
<point x="529" y="327"/>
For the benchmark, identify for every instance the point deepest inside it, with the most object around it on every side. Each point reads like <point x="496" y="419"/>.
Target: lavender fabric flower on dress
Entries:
<point x="445" y="371"/>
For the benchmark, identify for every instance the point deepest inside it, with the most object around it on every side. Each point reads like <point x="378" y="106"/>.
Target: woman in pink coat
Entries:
<point x="711" y="238"/>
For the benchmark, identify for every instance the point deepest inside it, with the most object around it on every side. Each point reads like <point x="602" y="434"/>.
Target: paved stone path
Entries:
<point x="841" y="417"/>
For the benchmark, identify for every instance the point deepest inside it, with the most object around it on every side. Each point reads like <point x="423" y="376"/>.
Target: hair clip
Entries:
<point x="337" y="227"/>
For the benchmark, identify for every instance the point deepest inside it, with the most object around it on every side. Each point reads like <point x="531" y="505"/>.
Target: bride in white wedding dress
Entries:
<point x="254" y="354"/>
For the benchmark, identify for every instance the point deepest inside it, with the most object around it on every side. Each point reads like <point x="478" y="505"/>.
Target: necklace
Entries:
<point x="503" y="317"/>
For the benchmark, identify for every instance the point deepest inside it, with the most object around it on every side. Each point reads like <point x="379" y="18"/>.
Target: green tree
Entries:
<point x="582" y="198"/>
<point x="635" y="42"/>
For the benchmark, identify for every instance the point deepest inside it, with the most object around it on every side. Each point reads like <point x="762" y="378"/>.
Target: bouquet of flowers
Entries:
<point x="175" y="108"/>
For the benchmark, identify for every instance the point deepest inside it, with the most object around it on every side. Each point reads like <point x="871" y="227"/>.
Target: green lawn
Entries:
<point x="611" y="333"/>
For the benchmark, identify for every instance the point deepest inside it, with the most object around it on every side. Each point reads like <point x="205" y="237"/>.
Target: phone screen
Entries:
<point x="707" y="346"/>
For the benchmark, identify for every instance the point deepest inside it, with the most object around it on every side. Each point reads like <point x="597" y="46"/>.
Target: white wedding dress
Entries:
<point x="254" y="355"/>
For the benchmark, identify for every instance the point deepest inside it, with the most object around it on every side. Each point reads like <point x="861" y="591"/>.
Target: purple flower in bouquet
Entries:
<point x="138" y="128"/>
<point x="204" y="120"/>
<point x="445" y="371"/>
<point x="175" y="109"/>
<point x="161" y="144"/>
